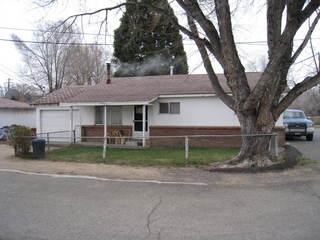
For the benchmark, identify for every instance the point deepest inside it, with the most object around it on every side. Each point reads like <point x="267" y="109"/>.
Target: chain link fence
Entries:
<point x="187" y="142"/>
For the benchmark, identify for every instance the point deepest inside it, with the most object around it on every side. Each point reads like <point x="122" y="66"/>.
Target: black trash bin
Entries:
<point x="39" y="147"/>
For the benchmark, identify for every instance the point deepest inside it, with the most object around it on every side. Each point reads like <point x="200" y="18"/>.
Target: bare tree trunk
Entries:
<point x="255" y="140"/>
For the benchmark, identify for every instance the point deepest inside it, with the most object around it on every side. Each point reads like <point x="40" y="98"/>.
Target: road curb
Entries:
<point x="87" y="177"/>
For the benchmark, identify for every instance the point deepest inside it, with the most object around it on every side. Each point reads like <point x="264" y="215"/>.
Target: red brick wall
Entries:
<point x="97" y="131"/>
<point x="199" y="141"/>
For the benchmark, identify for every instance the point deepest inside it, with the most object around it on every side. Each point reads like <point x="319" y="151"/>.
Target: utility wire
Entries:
<point x="260" y="43"/>
<point x="54" y="43"/>
<point x="44" y="31"/>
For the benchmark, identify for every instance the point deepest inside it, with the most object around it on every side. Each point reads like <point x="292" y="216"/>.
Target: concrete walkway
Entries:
<point x="165" y="174"/>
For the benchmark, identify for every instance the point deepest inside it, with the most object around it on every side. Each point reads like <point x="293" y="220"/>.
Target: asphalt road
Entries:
<point x="309" y="149"/>
<point x="42" y="207"/>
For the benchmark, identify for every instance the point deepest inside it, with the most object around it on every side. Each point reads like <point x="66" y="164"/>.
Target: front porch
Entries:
<point x="120" y="125"/>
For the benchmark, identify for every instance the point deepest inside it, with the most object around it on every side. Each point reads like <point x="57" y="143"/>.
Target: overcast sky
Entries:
<point x="21" y="17"/>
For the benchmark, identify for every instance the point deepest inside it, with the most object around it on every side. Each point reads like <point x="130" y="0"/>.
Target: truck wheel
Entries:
<point x="309" y="137"/>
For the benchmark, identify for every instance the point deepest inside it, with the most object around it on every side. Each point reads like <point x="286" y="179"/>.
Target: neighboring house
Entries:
<point x="175" y="105"/>
<point x="18" y="113"/>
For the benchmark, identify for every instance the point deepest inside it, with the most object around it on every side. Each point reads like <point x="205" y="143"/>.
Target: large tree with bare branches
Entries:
<point x="209" y="24"/>
<point x="45" y="59"/>
<point x="56" y="58"/>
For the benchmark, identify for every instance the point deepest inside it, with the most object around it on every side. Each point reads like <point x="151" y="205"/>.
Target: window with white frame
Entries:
<point x="99" y="115"/>
<point x="114" y="115"/>
<point x="169" y="108"/>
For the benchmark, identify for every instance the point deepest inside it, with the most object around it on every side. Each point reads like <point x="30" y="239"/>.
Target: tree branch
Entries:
<point x="281" y="52"/>
<point x="298" y="89"/>
<point x="310" y="9"/>
<point x="228" y="100"/>
<point x="75" y="16"/>
<point x="193" y="9"/>
<point x="275" y="9"/>
<point x="233" y="68"/>
<point x="150" y="6"/>
<point x="306" y="39"/>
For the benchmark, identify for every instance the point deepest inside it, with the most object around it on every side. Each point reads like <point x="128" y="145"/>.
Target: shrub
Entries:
<point x="21" y="138"/>
<point x="316" y="120"/>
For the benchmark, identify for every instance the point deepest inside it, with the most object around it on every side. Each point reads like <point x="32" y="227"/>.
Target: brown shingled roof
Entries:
<point x="127" y="89"/>
<point x="61" y="95"/>
<point x="6" y="103"/>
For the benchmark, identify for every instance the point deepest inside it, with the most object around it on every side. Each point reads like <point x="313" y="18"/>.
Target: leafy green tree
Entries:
<point x="147" y="43"/>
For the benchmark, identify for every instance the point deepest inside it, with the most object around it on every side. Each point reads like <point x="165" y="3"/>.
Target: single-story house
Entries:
<point x="142" y="108"/>
<point x="18" y="113"/>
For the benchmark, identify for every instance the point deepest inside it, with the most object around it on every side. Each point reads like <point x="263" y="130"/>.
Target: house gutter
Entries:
<point x="105" y="103"/>
<point x="132" y="103"/>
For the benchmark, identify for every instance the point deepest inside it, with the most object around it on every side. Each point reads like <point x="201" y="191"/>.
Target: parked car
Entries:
<point x="297" y="124"/>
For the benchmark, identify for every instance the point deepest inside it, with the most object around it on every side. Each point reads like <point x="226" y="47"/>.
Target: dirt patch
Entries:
<point x="290" y="155"/>
<point x="9" y="161"/>
<point x="213" y="178"/>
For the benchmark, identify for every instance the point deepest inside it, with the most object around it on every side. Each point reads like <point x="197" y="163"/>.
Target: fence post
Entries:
<point x="276" y="144"/>
<point x="74" y="136"/>
<point x="186" y="147"/>
<point x="105" y="133"/>
<point x="48" y="147"/>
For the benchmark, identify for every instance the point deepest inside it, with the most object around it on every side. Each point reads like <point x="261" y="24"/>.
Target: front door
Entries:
<point x="138" y="118"/>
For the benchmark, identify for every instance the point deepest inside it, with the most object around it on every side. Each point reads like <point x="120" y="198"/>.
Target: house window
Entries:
<point x="164" y="107"/>
<point x="174" y="108"/>
<point x="114" y="115"/>
<point x="171" y="108"/>
<point x="99" y="115"/>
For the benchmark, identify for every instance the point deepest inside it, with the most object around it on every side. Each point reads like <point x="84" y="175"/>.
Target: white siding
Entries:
<point x="196" y="111"/>
<point x="18" y="117"/>
<point x="206" y="111"/>
<point x="87" y="115"/>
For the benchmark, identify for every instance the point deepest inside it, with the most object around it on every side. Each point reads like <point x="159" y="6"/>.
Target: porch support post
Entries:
<point x="104" y="132"/>
<point x="71" y="124"/>
<point x="143" y="125"/>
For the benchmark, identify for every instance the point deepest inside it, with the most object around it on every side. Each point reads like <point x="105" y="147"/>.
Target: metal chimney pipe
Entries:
<point x="171" y="70"/>
<point x="108" y="73"/>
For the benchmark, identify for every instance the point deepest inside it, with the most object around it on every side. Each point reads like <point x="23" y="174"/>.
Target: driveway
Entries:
<point x="308" y="149"/>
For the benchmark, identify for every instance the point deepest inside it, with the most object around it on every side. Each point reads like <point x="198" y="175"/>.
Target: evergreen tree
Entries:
<point x="147" y="43"/>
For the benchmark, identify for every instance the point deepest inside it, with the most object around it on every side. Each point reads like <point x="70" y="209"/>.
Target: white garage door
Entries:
<point x="57" y="124"/>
